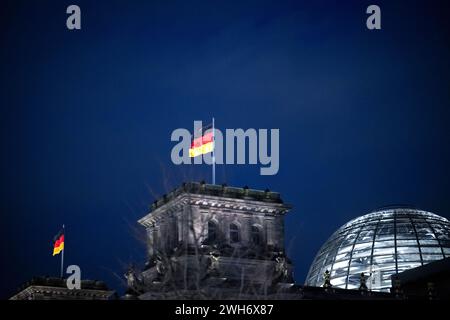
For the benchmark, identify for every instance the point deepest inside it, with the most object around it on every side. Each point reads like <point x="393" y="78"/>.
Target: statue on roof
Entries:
<point x="134" y="279"/>
<point x="363" y="281"/>
<point x="326" y="278"/>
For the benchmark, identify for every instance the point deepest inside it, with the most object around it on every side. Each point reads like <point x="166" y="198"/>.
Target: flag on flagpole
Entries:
<point x="58" y="245"/>
<point x="202" y="144"/>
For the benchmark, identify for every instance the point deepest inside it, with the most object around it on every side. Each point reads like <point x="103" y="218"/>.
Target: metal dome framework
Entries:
<point x="380" y="244"/>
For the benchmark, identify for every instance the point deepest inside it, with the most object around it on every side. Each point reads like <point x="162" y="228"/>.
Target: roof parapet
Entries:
<point x="219" y="190"/>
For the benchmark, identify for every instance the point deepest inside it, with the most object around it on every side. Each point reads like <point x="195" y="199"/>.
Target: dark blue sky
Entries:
<point x="87" y="116"/>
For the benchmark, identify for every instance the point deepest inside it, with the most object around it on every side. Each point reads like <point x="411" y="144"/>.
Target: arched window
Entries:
<point x="256" y="236"/>
<point x="175" y="231"/>
<point x="212" y="231"/>
<point x="234" y="233"/>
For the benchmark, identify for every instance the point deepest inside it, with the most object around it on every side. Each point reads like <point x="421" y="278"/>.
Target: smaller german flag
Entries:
<point x="58" y="245"/>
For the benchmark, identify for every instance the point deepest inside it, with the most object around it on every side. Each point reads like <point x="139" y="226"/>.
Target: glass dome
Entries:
<point x="380" y="244"/>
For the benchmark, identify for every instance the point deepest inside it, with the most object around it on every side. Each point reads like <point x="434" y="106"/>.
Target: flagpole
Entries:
<point x="62" y="255"/>
<point x="214" y="155"/>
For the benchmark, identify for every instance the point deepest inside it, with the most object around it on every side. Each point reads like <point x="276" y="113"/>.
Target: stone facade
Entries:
<point x="210" y="239"/>
<point x="48" y="288"/>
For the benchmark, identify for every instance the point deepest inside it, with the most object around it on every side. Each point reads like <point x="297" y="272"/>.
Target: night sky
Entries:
<point x="87" y="117"/>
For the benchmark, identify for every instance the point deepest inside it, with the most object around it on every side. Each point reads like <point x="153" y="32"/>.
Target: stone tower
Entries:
<point x="214" y="241"/>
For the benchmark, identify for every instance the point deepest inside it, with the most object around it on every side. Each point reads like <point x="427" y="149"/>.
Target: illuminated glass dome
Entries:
<point x="381" y="243"/>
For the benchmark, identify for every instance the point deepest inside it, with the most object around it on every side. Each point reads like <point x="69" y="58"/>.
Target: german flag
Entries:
<point x="203" y="144"/>
<point x="58" y="245"/>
